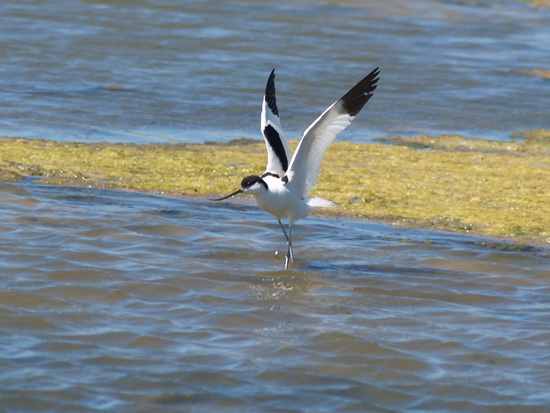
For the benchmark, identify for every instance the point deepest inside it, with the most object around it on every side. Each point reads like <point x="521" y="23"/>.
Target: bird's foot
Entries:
<point x="288" y="257"/>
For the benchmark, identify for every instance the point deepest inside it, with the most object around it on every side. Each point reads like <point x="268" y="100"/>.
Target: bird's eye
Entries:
<point x="248" y="181"/>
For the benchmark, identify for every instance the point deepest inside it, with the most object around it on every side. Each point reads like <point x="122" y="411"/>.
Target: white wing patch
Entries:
<point x="304" y="167"/>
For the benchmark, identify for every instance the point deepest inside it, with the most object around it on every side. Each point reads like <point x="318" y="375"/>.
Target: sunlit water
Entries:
<point x="194" y="70"/>
<point x="115" y="301"/>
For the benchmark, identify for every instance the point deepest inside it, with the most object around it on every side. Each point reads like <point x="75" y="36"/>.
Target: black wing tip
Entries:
<point x="369" y="83"/>
<point x="373" y="78"/>
<point x="270" y="93"/>
<point x="359" y="95"/>
<point x="270" y="81"/>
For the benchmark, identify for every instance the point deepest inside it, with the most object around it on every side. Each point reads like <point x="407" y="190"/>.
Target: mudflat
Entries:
<point x="442" y="182"/>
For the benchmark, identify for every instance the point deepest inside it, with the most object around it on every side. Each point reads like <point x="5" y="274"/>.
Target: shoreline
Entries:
<point x="444" y="183"/>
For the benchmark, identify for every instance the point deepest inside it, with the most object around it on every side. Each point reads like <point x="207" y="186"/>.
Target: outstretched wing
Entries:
<point x="305" y="164"/>
<point x="278" y="151"/>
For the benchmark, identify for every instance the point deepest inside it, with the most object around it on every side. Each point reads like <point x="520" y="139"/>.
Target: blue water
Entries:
<point x="127" y="302"/>
<point x="114" y="301"/>
<point x="195" y="70"/>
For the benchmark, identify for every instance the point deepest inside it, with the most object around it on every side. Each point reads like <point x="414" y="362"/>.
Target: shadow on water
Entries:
<point x="131" y="301"/>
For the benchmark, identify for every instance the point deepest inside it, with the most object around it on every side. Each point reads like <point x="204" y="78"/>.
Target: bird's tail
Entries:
<point x="319" y="203"/>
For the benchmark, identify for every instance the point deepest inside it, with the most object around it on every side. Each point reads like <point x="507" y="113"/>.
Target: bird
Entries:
<point x="282" y="190"/>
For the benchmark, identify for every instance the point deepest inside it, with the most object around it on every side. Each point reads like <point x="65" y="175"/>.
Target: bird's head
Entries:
<point x="252" y="184"/>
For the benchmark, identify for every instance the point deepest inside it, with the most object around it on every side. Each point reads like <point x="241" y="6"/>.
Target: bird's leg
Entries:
<point x="290" y="242"/>
<point x="289" y="256"/>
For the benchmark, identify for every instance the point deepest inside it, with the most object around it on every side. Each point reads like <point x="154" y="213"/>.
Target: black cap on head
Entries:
<point x="249" y="181"/>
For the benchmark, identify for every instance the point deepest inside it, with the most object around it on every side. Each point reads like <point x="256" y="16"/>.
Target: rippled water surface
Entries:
<point x="195" y="70"/>
<point x="114" y="301"/>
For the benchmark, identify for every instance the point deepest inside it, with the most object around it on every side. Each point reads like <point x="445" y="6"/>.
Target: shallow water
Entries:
<point x="144" y="70"/>
<point x="115" y="301"/>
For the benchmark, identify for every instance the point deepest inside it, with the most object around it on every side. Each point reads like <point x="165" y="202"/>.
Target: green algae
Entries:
<point x="538" y="3"/>
<point x="440" y="182"/>
<point x="545" y="74"/>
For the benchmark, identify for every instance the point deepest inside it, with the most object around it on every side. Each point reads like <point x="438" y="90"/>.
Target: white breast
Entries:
<point x="280" y="202"/>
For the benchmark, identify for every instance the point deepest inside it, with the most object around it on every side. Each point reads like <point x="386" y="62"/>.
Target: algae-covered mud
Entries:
<point x="545" y="74"/>
<point x="441" y="182"/>
<point x="539" y="3"/>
